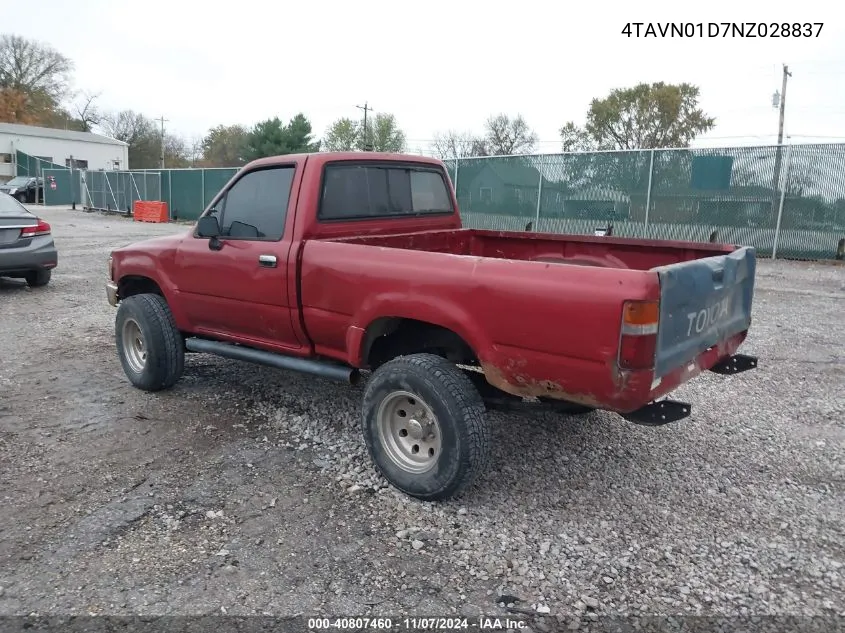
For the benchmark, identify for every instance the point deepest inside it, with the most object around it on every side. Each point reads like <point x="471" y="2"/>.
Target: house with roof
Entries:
<point x="498" y="185"/>
<point x="88" y="150"/>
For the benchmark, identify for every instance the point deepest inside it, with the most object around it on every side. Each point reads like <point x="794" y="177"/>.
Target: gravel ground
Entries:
<point x="246" y="490"/>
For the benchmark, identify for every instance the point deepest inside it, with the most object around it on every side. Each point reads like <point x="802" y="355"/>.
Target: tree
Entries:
<point x="139" y="132"/>
<point x="643" y="117"/>
<point x="177" y="153"/>
<point x="384" y="135"/>
<point x="273" y="138"/>
<point x="87" y="115"/>
<point x="37" y="75"/>
<point x="225" y="146"/>
<point x="505" y="136"/>
<point x="575" y="139"/>
<point x="15" y="107"/>
<point x="144" y="139"/>
<point x="342" y="136"/>
<point x="452" y="145"/>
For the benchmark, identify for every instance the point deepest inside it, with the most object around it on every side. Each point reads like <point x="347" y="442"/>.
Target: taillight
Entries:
<point x="638" y="341"/>
<point x="42" y="228"/>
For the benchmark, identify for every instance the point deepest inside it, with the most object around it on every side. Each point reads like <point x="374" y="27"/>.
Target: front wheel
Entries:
<point x="425" y="427"/>
<point x="21" y="198"/>
<point x="149" y="345"/>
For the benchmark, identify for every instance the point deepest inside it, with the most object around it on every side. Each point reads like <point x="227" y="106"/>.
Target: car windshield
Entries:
<point x="11" y="207"/>
<point x="18" y="182"/>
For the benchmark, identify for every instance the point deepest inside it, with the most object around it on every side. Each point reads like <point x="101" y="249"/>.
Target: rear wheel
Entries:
<point x="38" y="278"/>
<point x="424" y="426"/>
<point x="150" y="348"/>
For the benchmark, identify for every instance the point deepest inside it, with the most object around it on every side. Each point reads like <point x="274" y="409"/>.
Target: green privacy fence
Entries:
<point x="787" y="201"/>
<point x="27" y="165"/>
<point x="783" y="200"/>
<point x="188" y="191"/>
<point x="62" y="187"/>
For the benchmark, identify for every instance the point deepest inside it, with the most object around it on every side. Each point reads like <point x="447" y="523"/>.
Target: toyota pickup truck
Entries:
<point x="351" y="265"/>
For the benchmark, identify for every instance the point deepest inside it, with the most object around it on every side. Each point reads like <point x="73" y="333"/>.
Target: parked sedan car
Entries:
<point x="23" y="188"/>
<point x="27" y="250"/>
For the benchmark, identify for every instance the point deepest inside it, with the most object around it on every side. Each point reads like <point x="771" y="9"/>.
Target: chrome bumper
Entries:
<point x="111" y="293"/>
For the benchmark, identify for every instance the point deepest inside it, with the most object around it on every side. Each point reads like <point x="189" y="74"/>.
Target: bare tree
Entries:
<point x="86" y="111"/>
<point x="506" y="136"/>
<point x="451" y="145"/>
<point x="33" y="68"/>
<point x="195" y="149"/>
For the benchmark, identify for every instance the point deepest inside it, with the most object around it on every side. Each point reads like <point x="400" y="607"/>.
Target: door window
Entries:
<point x="256" y="206"/>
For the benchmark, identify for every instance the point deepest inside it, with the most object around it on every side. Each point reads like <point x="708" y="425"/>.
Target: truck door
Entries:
<point x="237" y="287"/>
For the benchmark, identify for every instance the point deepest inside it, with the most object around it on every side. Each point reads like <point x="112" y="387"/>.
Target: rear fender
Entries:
<point x="433" y="310"/>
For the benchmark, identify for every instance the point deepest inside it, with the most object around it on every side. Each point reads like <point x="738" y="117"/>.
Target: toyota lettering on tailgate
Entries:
<point x="709" y="316"/>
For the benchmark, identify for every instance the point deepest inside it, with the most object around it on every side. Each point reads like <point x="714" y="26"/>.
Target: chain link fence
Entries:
<point x="118" y="190"/>
<point x="787" y="201"/>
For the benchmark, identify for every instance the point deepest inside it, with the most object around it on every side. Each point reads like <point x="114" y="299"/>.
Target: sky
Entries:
<point x="440" y="65"/>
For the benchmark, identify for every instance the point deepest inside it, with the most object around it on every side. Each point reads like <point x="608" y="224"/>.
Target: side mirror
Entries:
<point x="208" y="226"/>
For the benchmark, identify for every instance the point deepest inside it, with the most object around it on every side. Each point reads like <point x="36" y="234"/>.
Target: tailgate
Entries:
<point x="702" y="302"/>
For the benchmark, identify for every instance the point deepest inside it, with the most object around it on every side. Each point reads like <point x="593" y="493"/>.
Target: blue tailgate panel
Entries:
<point x="702" y="302"/>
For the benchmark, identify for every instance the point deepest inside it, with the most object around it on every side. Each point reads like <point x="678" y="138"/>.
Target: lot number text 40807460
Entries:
<point x="723" y="29"/>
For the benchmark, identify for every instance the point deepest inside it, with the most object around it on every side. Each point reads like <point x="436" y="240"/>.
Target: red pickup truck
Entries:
<point x="337" y="263"/>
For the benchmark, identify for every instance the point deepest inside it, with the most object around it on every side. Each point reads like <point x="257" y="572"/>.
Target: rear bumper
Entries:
<point x="39" y="255"/>
<point x="601" y="387"/>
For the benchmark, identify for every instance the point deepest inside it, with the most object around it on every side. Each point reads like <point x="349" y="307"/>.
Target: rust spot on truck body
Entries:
<point x="529" y="387"/>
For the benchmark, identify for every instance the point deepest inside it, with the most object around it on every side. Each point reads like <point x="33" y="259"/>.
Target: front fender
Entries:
<point x="141" y="264"/>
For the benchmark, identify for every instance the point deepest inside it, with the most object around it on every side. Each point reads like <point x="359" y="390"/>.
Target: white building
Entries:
<point x="89" y="151"/>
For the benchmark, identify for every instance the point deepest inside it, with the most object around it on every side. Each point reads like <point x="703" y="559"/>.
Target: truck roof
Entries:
<point x="326" y="157"/>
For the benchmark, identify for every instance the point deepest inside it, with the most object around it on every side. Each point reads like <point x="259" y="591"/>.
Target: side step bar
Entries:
<point x="307" y="366"/>
<point x="735" y="364"/>
<point x="659" y="413"/>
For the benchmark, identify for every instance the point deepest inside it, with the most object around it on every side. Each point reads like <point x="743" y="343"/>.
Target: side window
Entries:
<point x="367" y="191"/>
<point x="256" y="205"/>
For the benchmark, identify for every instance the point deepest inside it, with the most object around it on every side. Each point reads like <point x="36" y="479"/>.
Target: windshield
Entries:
<point x="20" y="181"/>
<point x="10" y="207"/>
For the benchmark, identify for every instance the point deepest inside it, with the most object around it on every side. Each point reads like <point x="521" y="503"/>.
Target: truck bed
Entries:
<point x="577" y="250"/>
<point x="539" y="329"/>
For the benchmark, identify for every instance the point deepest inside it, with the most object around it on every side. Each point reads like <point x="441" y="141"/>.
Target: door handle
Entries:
<point x="268" y="261"/>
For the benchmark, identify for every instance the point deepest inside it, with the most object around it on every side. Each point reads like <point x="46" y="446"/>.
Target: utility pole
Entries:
<point x="779" y="151"/>
<point x="72" y="190"/>
<point x="163" y="120"/>
<point x="365" y="108"/>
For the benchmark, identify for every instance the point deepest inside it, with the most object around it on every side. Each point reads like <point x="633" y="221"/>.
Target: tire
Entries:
<point x="38" y="278"/>
<point x="21" y="198"/>
<point x="150" y="348"/>
<point x="425" y="401"/>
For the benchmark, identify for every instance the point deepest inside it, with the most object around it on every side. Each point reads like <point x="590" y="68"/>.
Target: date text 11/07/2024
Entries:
<point x="723" y="29"/>
<point x="484" y="623"/>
